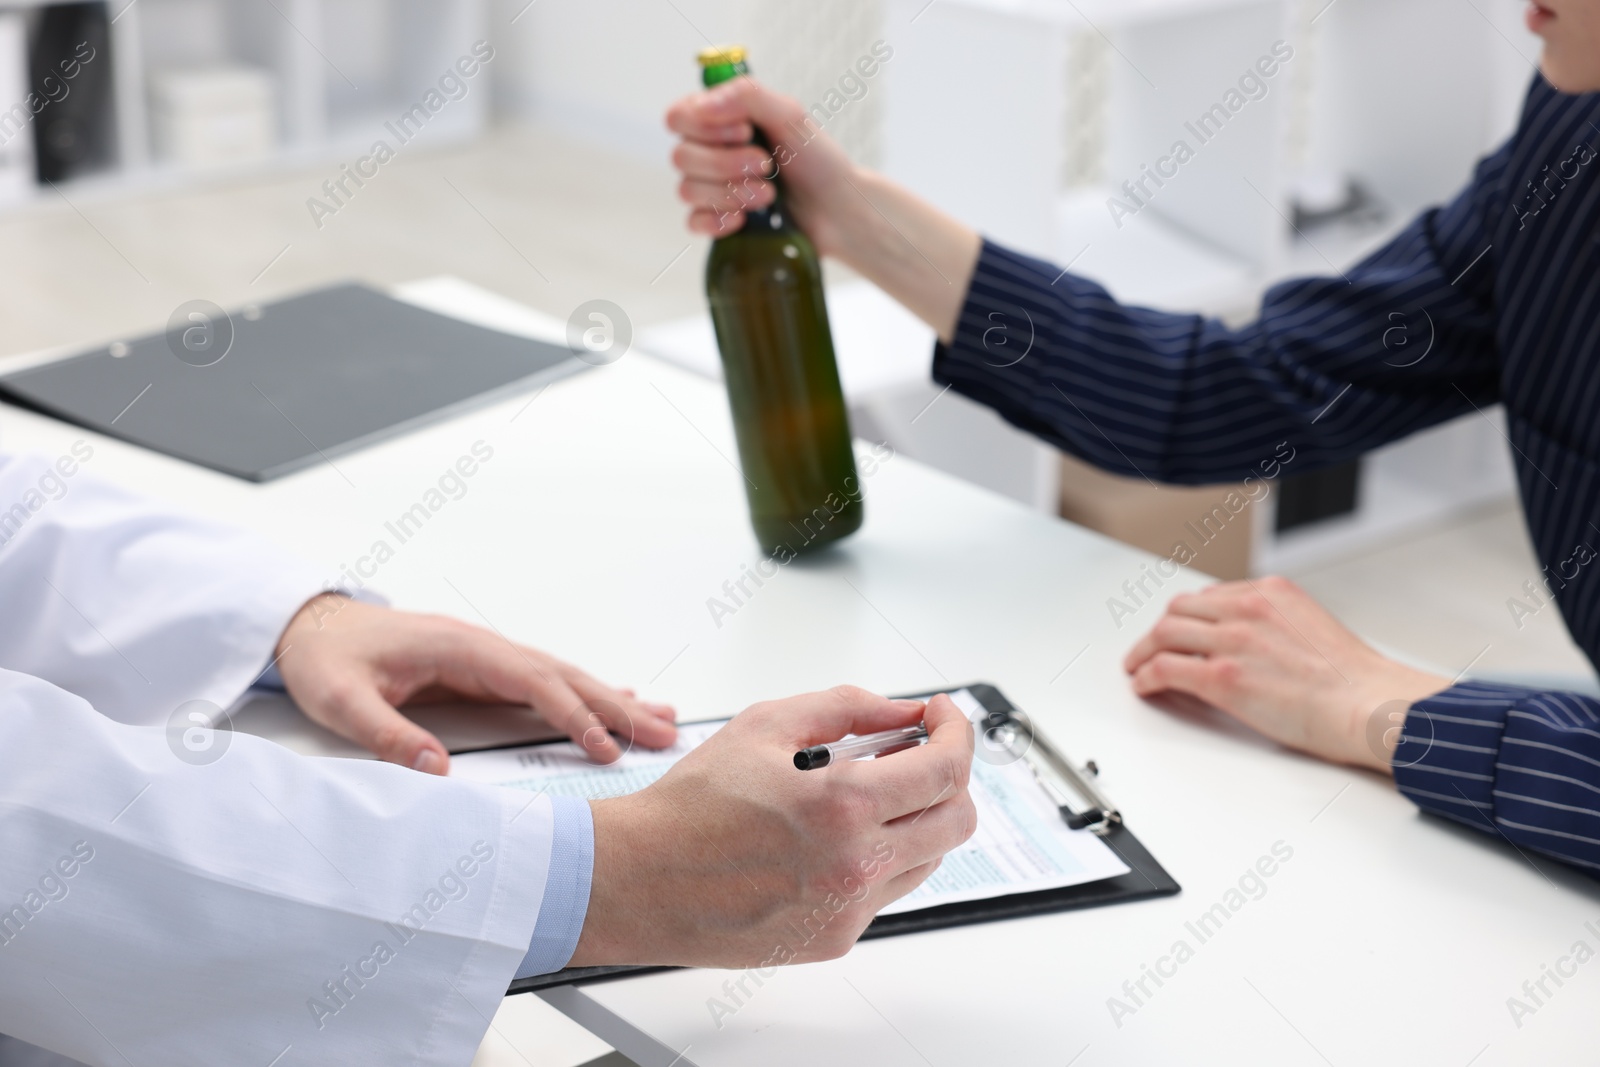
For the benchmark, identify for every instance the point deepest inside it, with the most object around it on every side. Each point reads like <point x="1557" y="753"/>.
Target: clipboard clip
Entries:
<point x="1074" y="789"/>
<point x="1097" y="813"/>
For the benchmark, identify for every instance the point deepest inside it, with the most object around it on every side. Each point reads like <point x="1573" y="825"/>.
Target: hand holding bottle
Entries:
<point x="723" y="173"/>
<point x="909" y="248"/>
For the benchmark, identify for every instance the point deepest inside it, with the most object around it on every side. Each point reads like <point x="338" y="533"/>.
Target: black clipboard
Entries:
<point x="1007" y="728"/>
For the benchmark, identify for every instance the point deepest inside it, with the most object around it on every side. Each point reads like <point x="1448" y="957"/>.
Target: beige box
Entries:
<point x="210" y="116"/>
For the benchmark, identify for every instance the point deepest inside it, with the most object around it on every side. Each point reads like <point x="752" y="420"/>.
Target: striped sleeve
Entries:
<point x="1518" y="762"/>
<point x="1333" y="366"/>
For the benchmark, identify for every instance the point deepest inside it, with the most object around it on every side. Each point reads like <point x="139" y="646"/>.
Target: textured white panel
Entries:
<point x="808" y="49"/>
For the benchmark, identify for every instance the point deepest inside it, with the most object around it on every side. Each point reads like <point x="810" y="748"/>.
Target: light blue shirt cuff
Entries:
<point x="566" y="890"/>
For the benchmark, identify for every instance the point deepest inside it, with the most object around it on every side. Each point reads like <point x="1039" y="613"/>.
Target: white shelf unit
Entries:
<point x="1406" y="96"/>
<point x="983" y="97"/>
<point x="341" y="69"/>
<point x="1023" y="117"/>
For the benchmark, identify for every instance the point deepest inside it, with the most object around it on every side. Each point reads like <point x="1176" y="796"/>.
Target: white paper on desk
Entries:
<point x="562" y="769"/>
<point x="1021" y="844"/>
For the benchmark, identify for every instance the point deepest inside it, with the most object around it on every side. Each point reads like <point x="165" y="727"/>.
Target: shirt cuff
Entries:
<point x="1450" y="744"/>
<point x="566" y="892"/>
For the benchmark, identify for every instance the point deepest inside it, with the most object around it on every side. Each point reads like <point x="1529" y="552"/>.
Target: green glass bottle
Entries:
<point x="765" y="287"/>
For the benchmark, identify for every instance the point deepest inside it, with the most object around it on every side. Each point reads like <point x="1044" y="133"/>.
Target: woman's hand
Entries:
<point x="348" y="665"/>
<point x="723" y="173"/>
<point x="908" y="248"/>
<point x="1266" y="653"/>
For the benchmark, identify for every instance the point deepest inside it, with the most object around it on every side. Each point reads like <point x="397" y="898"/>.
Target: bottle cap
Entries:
<point x="725" y="56"/>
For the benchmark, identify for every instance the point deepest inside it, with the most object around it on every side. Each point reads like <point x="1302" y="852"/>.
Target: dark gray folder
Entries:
<point x="301" y="381"/>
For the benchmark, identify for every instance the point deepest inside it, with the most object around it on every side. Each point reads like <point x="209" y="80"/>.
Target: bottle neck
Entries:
<point x="757" y="219"/>
<point x="764" y="219"/>
<point x="773" y="216"/>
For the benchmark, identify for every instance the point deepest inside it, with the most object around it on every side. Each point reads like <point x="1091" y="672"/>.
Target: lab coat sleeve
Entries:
<point x="128" y="603"/>
<point x="261" y="907"/>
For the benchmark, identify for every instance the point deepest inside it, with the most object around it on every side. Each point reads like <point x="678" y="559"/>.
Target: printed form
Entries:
<point x="1022" y="844"/>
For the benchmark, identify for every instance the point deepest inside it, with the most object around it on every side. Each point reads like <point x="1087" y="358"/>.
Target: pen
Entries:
<point x="809" y="759"/>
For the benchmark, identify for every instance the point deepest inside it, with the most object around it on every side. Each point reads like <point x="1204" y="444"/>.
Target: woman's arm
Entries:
<point x="1179" y="398"/>
<point x="1517" y="763"/>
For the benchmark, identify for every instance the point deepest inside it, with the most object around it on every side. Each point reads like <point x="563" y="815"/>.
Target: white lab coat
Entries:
<point x="264" y="908"/>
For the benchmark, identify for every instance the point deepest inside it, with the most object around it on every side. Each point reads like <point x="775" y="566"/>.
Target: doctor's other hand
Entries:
<point x="349" y="665"/>
<point x="735" y="858"/>
<point x="1269" y="655"/>
<point x="723" y="173"/>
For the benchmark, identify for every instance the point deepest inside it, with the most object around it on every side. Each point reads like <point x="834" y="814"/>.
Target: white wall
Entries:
<point x="607" y="69"/>
<point x="1409" y="93"/>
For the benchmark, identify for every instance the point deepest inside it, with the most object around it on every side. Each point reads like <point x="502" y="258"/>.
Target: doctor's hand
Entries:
<point x="1269" y="655"/>
<point x="349" y="665"/>
<point x="735" y="858"/>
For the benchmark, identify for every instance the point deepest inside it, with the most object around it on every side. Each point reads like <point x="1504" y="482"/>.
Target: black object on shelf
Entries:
<point x="1317" y="495"/>
<point x="69" y="69"/>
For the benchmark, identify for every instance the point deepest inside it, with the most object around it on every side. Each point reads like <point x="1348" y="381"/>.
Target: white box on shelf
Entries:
<point x="1198" y="105"/>
<point x="975" y="137"/>
<point x="208" y="116"/>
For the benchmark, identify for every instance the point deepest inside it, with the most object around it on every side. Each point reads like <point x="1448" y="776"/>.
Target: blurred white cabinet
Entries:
<point x="973" y="115"/>
<point x="1405" y="96"/>
<point x="1031" y="119"/>
<point x="986" y="102"/>
<point x="1026" y="118"/>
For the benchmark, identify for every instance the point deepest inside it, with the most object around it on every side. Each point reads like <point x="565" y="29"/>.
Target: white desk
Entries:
<point x="610" y="513"/>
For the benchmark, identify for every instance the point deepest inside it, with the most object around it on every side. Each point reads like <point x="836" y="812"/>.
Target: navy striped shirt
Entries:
<point x="1492" y="298"/>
